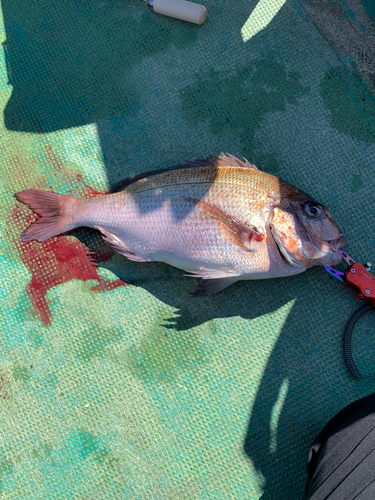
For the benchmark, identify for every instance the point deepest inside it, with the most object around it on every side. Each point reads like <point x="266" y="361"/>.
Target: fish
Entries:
<point x="219" y="219"/>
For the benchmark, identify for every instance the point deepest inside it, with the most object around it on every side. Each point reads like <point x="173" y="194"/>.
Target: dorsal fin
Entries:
<point x="226" y="160"/>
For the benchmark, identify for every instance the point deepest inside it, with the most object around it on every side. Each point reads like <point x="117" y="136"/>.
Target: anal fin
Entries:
<point x="120" y="246"/>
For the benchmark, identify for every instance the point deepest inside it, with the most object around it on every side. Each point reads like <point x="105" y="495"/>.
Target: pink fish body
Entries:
<point x="220" y="219"/>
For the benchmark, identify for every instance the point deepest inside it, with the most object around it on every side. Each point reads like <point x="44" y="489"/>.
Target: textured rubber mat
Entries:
<point x="115" y="383"/>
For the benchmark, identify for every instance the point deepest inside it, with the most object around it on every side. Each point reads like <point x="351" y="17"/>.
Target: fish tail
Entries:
<point x="55" y="212"/>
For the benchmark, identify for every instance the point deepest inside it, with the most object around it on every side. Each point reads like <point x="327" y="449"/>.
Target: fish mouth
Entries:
<point x="341" y="241"/>
<point x="325" y="248"/>
<point x="333" y="258"/>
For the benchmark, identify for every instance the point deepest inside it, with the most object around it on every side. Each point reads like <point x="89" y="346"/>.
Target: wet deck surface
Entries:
<point x="115" y="383"/>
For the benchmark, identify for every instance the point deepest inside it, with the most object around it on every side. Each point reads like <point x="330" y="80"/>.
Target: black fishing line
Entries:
<point x="348" y="341"/>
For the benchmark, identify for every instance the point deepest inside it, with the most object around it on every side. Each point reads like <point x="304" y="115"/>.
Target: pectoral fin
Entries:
<point x="120" y="246"/>
<point x="232" y="229"/>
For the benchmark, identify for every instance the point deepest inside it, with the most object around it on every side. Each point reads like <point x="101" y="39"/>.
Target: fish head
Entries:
<point x="305" y="232"/>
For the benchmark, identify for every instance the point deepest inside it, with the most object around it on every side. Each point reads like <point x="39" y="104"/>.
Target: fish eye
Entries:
<point x="312" y="210"/>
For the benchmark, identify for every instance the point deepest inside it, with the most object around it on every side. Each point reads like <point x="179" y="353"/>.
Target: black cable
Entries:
<point x="348" y="341"/>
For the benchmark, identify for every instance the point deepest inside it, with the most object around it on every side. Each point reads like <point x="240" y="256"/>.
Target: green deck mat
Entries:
<point x="115" y="383"/>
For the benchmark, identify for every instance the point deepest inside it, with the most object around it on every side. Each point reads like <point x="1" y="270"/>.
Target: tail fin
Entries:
<point x="54" y="210"/>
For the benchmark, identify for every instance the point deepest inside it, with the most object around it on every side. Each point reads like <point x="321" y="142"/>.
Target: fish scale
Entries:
<point x="146" y="224"/>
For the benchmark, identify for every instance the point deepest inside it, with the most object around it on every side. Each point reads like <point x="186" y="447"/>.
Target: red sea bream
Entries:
<point x="222" y="220"/>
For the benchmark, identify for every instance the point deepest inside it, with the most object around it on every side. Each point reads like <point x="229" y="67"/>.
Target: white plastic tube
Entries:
<point x="180" y="9"/>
